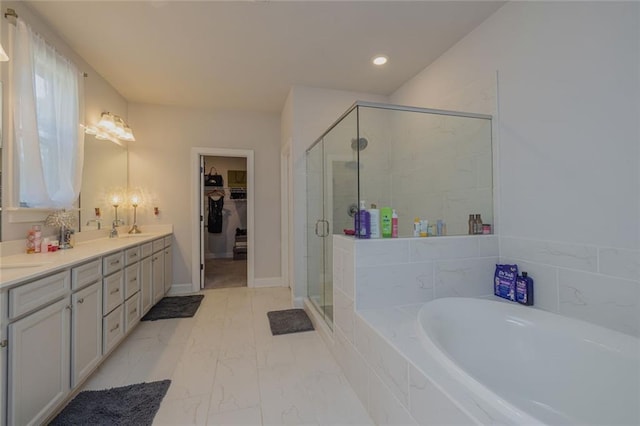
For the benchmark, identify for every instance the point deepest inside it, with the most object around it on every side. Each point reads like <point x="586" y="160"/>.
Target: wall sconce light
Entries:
<point x="3" y="55"/>
<point x="111" y="127"/>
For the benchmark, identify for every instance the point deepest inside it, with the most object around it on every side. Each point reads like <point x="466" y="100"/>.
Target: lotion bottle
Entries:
<point x="374" y="216"/>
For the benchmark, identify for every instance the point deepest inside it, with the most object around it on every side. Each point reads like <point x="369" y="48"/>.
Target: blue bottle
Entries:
<point x="524" y="289"/>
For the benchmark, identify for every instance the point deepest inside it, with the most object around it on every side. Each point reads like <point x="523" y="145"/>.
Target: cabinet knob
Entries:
<point x="115" y="328"/>
<point x="117" y="290"/>
<point x="81" y="300"/>
<point x="115" y="262"/>
<point x="68" y="307"/>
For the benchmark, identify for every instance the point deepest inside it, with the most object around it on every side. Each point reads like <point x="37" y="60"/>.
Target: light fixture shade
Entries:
<point x="3" y="55"/>
<point x="107" y="122"/>
<point x="111" y="127"/>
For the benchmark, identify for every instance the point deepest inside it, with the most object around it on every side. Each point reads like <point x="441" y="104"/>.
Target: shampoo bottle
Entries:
<point x="524" y="289"/>
<point x="374" y="216"/>
<point x="394" y="224"/>
<point x="37" y="241"/>
<point x="385" y="220"/>
<point x="364" y="221"/>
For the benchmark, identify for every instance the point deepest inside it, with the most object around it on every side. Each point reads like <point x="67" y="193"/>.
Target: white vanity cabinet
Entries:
<point x="146" y="278"/>
<point x="58" y="326"/>
<point x="38" y="350"/>
<point x="168" y="264"/>
<point x="157" y="266"/>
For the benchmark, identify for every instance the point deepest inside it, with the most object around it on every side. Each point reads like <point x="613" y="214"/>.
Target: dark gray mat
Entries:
<point x="289" y="321"/>
<point x="174" y="307"/>
<point x="133" y="405"/>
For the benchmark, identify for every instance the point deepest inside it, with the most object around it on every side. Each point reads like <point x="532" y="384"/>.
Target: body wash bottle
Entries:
<point x="524" y="289"/>
<point x="416" y="227"/>
<point x="385" y="220"/>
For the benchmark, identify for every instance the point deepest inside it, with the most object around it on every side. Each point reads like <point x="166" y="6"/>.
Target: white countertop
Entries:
<point x="18" y="268"/>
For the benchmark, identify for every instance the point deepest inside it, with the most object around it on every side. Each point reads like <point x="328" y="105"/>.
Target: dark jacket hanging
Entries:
<point x="214" y="222"/>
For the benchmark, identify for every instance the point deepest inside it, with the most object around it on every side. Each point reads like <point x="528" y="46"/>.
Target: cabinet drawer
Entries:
<point x="167" y="240"/>
<point x="132" y="312"/>
<point x="132" y="255"/>
<point x="112" y="329"/>
<point x="112" y="292"/>
<point x="146" y="249"/>
<point x="86" y="274"/>
<point x="158" y="245"/>
<point x="131" y="280"/>
<point x="36" y="294"/>
<point x="112" y="263"/>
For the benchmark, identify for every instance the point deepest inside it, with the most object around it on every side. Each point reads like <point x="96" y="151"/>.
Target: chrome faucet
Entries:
<point x="98" y="222"/>
<point x="114" y="231"/>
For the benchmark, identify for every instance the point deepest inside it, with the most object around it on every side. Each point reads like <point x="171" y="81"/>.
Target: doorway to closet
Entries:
<point x="223" y="212"/>
<point x="225" y="224"/>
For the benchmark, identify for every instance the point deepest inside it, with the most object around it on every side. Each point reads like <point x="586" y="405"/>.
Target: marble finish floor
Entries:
<point x="227" y="368"/>
<point x="224" y="273"/>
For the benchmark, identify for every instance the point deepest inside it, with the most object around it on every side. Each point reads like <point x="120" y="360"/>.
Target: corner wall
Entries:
<point x="568" y="165"/>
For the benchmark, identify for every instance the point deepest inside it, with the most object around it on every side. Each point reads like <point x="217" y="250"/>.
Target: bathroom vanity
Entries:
<point x="63" y="313"/>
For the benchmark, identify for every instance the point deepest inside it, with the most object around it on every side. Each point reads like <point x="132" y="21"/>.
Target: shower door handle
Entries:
<point x="326" y="228"/>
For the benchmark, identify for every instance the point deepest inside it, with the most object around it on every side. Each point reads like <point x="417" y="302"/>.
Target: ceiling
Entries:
<point x="247" y="54"/>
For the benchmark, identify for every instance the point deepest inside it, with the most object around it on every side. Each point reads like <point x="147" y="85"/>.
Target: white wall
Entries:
<point x="567" y="137"/>
<point x="100" y="96"/>
<point x="308" y="112"/>
<point x="159" y="162"/>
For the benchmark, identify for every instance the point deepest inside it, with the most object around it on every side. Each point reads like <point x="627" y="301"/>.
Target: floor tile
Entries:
<point x="227" y="368"/>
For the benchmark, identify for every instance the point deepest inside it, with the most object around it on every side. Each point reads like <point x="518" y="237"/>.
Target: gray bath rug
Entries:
<point x="289" y="321"/>
<point x="133" y="405"/>
<point x="174" y="307"/>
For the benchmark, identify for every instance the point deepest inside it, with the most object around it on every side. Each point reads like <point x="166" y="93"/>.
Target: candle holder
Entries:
<point x="134" y="229"/>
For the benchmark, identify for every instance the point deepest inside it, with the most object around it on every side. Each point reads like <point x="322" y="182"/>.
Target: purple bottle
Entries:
<point x="363" y="222"/>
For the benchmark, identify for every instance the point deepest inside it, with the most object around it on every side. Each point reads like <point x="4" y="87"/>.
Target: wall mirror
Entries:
<point x="104" y="176"/>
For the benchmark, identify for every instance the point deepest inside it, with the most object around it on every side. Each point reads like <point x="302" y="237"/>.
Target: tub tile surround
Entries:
<point x="387" y="282"/>
<point x="376" y="343"/>
<point x="600" y="285"/>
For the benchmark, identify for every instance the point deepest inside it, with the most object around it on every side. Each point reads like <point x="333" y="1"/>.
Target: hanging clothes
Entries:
<point x="214" y="220"/>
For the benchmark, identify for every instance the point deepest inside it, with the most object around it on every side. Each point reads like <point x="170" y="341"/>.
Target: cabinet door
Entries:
<point x="86" y="332"/>
<point x="146" y="284"/>
<point x="168" y="269"/>
<point x="39" y="362"/>
<point x="158" y="275"/>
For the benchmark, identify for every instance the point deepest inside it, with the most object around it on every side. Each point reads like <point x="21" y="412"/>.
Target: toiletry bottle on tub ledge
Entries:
<point x="365" y="222"/>
<point x="524" y="289"/>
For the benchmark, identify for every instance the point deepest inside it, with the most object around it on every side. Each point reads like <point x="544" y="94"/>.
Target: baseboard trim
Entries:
<point x="179" y="289"/>
<point x="267" y="282"/>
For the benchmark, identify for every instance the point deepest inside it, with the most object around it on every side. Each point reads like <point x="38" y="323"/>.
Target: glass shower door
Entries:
<point x="315" y="228"/>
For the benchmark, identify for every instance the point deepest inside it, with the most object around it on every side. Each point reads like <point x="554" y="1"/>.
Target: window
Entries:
<point x="47" y="113"/>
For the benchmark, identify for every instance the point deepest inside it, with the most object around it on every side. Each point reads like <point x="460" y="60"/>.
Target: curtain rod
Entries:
<point x="10" y="13"/>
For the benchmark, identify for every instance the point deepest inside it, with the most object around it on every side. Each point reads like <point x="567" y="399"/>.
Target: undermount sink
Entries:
<point x="134" y="235"/>
<point x="21" y="265"/>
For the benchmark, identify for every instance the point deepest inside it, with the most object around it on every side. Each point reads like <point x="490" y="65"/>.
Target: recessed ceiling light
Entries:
<point x="380" y="60"/>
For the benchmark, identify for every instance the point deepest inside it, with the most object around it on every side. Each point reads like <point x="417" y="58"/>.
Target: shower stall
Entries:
<point x="430" y="164"/>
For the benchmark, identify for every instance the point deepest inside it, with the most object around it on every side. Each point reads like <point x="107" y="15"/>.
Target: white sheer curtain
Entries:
<point x="47" y="97"/>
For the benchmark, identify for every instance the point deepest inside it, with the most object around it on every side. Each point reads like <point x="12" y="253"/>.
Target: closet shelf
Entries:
<point x="226" y="188"/>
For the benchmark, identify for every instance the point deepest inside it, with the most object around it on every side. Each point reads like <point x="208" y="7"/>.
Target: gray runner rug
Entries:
<point x="289" y="321"/>
<point x="174" y="307"/>
<point x="133" y="405"/>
